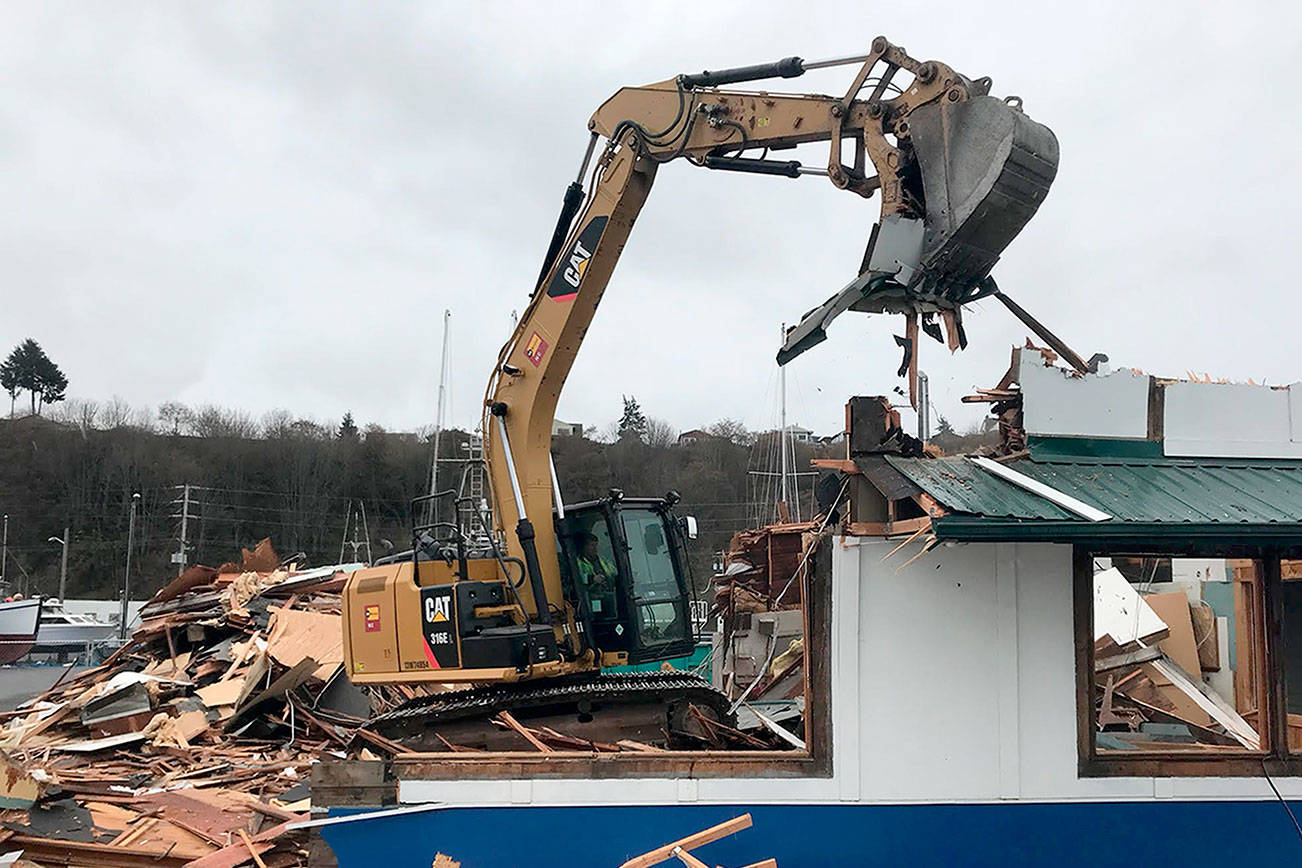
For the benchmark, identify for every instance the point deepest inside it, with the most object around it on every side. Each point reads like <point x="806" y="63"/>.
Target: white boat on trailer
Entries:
<point x="62" y="631"/>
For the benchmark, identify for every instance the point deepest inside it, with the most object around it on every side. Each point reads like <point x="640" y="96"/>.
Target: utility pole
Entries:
<point x="63" y="563"/>
<point x="4" y="552"/>
<point x="126" y="576"/>
<point x="180" y="557"/>
<point x="438" y="417"/>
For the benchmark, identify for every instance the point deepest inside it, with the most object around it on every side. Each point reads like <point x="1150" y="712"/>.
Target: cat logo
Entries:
<point x="372" y="618"/>
<point x="578" y="264"/>
<point x="569" y="274"/>
<point x="437" y="609"/>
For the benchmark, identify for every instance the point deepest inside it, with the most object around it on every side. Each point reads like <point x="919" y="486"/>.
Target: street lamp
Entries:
<point x="63" y="563"/>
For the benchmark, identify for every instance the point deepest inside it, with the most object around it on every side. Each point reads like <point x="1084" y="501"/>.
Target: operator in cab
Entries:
<point x="596" y="574"/>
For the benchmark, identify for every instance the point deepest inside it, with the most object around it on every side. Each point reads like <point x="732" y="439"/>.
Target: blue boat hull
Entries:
<point x="1062" y="835"/>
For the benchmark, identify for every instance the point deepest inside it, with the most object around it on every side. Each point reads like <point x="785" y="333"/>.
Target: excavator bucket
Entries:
<point x="986" y="167"/>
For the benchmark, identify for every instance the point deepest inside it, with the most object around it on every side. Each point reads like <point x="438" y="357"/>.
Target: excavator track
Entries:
<point x="599" y="707"/>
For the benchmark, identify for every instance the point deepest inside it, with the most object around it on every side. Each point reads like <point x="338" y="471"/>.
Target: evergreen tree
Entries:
<point x="29" y="369"/>
<point x="633" y="422"/>
<point x="9" y="379"/>
<point x="53" y="383"/>
<point x="348" y="428"/>
<point x="943" y="428"/>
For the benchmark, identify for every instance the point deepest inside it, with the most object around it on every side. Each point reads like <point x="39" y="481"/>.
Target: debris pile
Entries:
<point x="759" y="654"/>
<point x="1153" y="656"/>
<point x="192" y="744"/>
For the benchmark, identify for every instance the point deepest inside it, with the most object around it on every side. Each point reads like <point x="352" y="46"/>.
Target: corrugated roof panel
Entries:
<point x="1169" y="491"/>
<point x="960" y="485"/>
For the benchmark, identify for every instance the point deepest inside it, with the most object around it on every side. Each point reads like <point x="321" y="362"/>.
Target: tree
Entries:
<point x="175" y="415"/>
<point x="660" y="433"/>
<point x="9" y="380"/>
<point x="29" y="369"/>
<point x="943" y="428"/>
<point x="348" y="428"/>
<point x="733" y="431"/>
<point x="53" y="383"/>
<point x="633" y="422"/>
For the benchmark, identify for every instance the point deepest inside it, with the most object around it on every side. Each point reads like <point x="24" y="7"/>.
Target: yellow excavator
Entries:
<point x="532" y="620"/>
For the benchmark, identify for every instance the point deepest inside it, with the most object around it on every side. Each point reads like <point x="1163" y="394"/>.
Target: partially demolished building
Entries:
<point x="1074" y="650"/>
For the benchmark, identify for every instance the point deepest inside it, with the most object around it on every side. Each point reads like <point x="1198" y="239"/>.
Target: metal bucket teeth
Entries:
<point x="986" y="167"/>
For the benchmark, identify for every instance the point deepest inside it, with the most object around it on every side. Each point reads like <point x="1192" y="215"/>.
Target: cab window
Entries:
<point x="656" y="593"/>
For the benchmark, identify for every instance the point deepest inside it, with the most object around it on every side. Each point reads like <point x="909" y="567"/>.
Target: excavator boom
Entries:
<point x="568" y="590"/>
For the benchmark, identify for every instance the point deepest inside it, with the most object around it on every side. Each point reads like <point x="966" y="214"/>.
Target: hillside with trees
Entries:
<point x="299" y="481"/>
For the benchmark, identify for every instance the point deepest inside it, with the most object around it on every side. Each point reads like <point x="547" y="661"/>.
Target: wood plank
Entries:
<point x="698" y="839"/>
<point x="1180" y="644"/>
<point x="253" y="851"/>
<point x="509" y="720"/>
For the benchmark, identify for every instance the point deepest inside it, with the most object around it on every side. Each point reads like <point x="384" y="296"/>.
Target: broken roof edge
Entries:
<point x="978" y="528"/>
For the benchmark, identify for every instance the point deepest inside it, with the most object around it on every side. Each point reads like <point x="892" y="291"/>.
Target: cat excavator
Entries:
<point x="533" y="621"/>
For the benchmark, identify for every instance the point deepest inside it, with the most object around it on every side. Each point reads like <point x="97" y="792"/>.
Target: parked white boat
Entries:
<point x="19" y="621"/>
<point x="62" y="630"/>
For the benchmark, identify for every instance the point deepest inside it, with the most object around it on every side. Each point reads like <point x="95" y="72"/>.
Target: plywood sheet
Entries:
<point x="296" y="635"/>
<point x="1180" y="644"/>
<point x="220" y="693"/>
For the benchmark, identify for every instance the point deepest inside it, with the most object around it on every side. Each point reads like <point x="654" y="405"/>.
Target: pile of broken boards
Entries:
<point x="1153" y="654"/>
<point x="192" y="744"/>
<point x="759" y="655"/>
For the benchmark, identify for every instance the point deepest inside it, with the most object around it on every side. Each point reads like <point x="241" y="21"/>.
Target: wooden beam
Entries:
<point x="509" y="720"/>
<point x="1044" y="334"/>
<point x="1128" y="658"/>
<point x="706" y="836"/>
<point x="844" y="465"/>
<point x="253" y="851"/>
<point x="888" y="528"/>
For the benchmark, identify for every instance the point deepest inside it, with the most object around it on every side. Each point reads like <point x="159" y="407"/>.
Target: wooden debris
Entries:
<point x="683" y="846"/>
<point x="176" y="749"/>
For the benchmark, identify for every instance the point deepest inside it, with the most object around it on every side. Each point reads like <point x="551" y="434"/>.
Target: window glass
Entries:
<point x="595" y="560"/>
<point x="1178" y="655"/>
<point x="649" y="556"/>
<point x="661" y="622"/>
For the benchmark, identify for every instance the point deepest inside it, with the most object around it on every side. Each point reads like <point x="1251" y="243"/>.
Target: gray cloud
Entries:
<point x="269" y="205"/>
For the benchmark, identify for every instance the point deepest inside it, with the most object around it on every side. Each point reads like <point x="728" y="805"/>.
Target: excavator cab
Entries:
<point x="624" y="561"/>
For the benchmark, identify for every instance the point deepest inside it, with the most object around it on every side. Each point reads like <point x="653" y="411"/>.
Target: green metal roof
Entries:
<point x="1172" y="497"/>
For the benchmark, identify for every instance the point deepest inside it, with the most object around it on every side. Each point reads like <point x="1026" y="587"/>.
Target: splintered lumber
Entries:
<point x="507" y="718"/>
<point x="699" y="839"/>
<point x="639" y="746"/>
<point x="381" y="742"/>
<point x="54" y="851"/>
<point x="253" y="851"/>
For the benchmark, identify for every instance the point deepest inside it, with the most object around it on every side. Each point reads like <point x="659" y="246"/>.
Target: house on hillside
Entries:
<point x="566" y="429"/>
<point x="696" y="435"/>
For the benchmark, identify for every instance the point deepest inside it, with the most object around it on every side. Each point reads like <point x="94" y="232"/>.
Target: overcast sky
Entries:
<point x="270" y="205"/>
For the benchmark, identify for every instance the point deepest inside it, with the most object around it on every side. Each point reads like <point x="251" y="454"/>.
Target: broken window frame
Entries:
<point x="1273" y="718"/>
<point x="815" y="761"/>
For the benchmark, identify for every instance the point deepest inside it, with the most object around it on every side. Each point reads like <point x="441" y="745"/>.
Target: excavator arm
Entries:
<point x="959" y="174"/>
